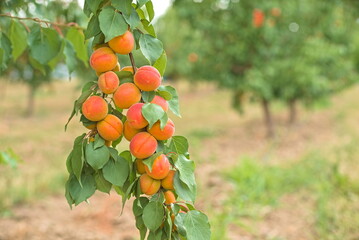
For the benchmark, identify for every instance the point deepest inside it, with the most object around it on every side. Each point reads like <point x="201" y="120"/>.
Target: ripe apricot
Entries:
<point x="110" y="128"/>
<point x="258" y="18"/>
<point x="103" y="60"/>
<point x="135" y="117"/>
<point x="162" y="134"/>
<point x="117" y="68"/>
<point x="147" y="78"/>
<point x="91" y="126"/>
<point x="129" y="132"/>
<point x="108" y="82"/>
<point x="126" y="95"/>
<point x="108" y="143"/>
<point x="167" y="182"/>
<point x="160" y="101"/>
<point x="143" y="145"/>
<point x="149" y="185"/>
<point x="95" y="108"/>
<point x="127" y="68"/>
<point x="170" y="197"/>
<point x="160" y="167"/>
<point x="140" y="166"/>
<point x="122" y="44"/>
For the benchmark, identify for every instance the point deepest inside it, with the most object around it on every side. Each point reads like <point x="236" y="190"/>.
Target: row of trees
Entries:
<point x="291" y="51"/>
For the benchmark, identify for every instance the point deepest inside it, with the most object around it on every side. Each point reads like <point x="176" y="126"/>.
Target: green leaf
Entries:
<point x="155" y="235"/>
<point x="70" y="57"/>
<point x="69" y="163"/>
<point x="161" y="63"/>
<point x="45" y="44"/>
<point x="183" y="190"/>
<point x="148" y="27"/>
<point x="98" y="39"/>
<point x="150" y="11"/>
<point x="116" y="172"/>
<point x="77" y="160"/>
<point x="197" y="226"/>
<point x="112" y="23"/>
<point x="99" y="142"/>
<point x="101" y="183"/>
<point x="163" y="121"/>
<point x="141" y="227"/>
<point x="124" y="6"/>
<point x="186" y="168"/>
<point x="17" y="35"/>
<point x="140" y="3"/>
<point x="151" y="47"/>
<point x="166" y="95"/>
<point x="148" y="96"/>
<point x="179" y="219"/>
<point x="93" y="5"/>
<point x="153" y="215"/>
<point x="152" y="113"/>
<point x="81" y="193"/>
<point x="36" y="65"/>
<point x="59" y="57"/>
<point x="173" y="103"/>
<point x="93" y="27"/>
<point x="124" y="74"/>
<point x="179" y="144"/>
<point x="97" y="158"/>
<point x="133" y="19"/>
<point x="5" y="50"/>
<point x="138" y="205"/>
<point x="69" y="199"/>
<point x="77" y="38"/>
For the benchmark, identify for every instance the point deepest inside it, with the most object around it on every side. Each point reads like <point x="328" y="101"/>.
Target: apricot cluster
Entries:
<point x="135" y="128"/>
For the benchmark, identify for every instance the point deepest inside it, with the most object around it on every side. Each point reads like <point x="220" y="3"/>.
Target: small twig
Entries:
<point x="132" y="62"/>
<point x="38" y="20"/>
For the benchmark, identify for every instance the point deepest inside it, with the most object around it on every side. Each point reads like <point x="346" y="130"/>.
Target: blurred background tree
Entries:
<point x="293" y="51"/>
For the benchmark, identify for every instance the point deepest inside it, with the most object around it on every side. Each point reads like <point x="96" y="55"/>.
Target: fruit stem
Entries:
<point x="132" y="62"/>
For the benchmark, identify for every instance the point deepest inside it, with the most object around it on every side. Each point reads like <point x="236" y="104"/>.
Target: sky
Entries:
<point x="160" y="6"/>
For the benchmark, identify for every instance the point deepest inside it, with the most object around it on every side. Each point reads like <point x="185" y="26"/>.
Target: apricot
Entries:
<point x="103" y="60"/>
<point x="108" y="143"/>
<point x="140" y="166"/>
<point x="117" y="68"/>
<point x="97" y="46"/>
<point x="122" y="44"/>
<point x="129" y="132"/>
<point x="167" y="182"/>
<point x="135" y="117"/>
<point x="95" y="108"/>
<point x="143" y="145"/>
<point x="108" y="82"/>
<point x="110" y="128"/>
<point x="160" y="167"/>
<point x="258" y="18"/>
<point x="162" y="134"/>
<point x="170" y="197"/>
<point x="147" y="78"/>
<point x="126" y="95"/>
<point x="148" y="185"/>
<point x="160" y="101"/>
<point x="127" y="68"/>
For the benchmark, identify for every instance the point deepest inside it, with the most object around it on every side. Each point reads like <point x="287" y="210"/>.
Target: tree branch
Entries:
<point x="38" y="20"/>
<point x="132" y="62"/>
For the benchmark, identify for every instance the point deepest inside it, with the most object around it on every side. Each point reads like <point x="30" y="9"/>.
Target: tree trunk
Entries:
<point x="292" y="112"/>
<point x="268" y="118"/>
<point x="30" y="102"/>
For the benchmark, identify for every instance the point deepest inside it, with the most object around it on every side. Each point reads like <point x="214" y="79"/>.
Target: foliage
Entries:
<point x="95" y="165"/>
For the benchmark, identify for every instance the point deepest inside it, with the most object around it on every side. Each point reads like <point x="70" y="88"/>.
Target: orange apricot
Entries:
<point x="95" y="108"/>
<point x="143" y="145"/>
<point x="127" y="68"/>
<point x="108" y="82"/>
<point x="108" y="143"/>
<point x="110" y="128"/>
<point x="103" y="60"/>
<point x="147" y="78"/>
<point x="91" y="126"/>
<point x="162" y="134"/>
<point x="140" y="166"/>
<point x="126" y="95"/>
<point x="148" y="185"/>
<point x="170" y="197"/>
<point x="160" y="101"/>
<point x="160" y="167"/>
<point x="129" y="132"/>
<point x="167" y="182"/>
<point x="122" y="44"/>
<point x="135" y="117"/>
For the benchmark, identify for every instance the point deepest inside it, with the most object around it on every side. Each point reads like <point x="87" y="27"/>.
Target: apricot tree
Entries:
<point x="131" y="102"/>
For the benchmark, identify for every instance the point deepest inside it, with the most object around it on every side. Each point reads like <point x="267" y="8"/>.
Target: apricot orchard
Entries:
<point x="131" y="103"/>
